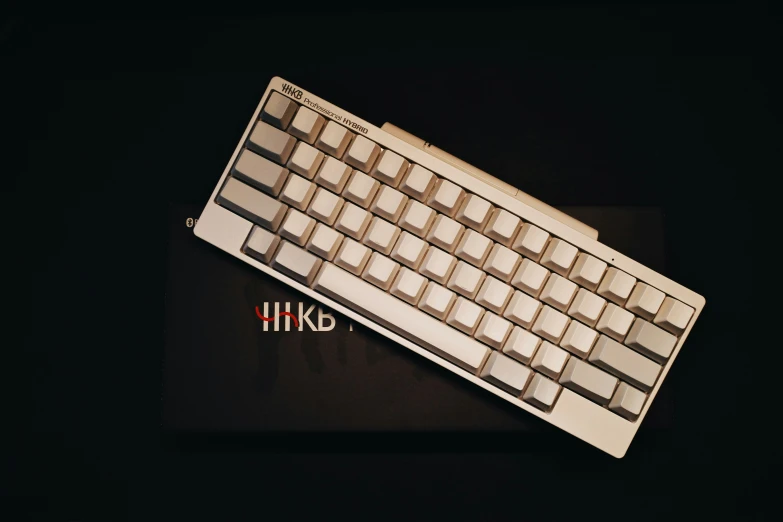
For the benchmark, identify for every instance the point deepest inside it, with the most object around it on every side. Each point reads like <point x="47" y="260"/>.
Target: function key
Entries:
<point x="278" y="110"/>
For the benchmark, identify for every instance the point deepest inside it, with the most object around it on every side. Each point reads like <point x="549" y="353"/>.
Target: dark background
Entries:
<point x="107" y="123"/>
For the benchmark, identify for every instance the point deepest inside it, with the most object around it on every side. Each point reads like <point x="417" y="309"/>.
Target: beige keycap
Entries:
<point x="645" y="301"/>
<point x="259" y="172"/>
<point x="334" y="139"/>
<point x="389" y="203"/>
<point x="437" y="300"/>
<point x="558" y="292"/>
<point x="417" y="218"/>
<point x="418" y="182"/>
<point x="380" y="271"/>
<point x="353" y="221"/>
<point x="362" y="153"/>
<point x="252" y="204"/>
<point x="493" y="330"/>
<point x="296" y="263"/>
<point x="465" y="315"/>
<point x="390" y="168"/>
<point x="466" y="279"/>
<point x="627" y="401"/>
<point x="306" y="125"/>
<point x="530" y="277"/>
<point x="445" y="233"/>
<point x="586" y="307"/>
<point x="297" y="227"/>
<point x="325" y="241"/>
<point x="494" y="294"/>
<point x="673" y="316"/>
<point x="614" y="321"/>
<point x="502" y="262"/>
<point x="589" y="381"/>
<point x="541" y="392"/>
<point x="381" y="235"/>
<point x="521" y="345"/>
<point x="530" y="241"/>
<point x="616" y="286"/>
<point x="473" y="248"/>
<point x="446" y="197"/>
<point x="502" y="226"/>
<point x="298" y="192"/>
<point x="325" y="206"/>
<point x="625" y="363"/>
<point x="505" y="373"/>
<point x="409" y="250"/>
<point x="305" y="160"/>
<point x="271" y="142"/>
<point x="361" y="189"/>
<point x="333" y="174"/>
<point x="352" y="256"/>
<point x="408" y="285"/>
<point x="437" y="265"/>
<point x="550" y="324"/>
<point x="650" y="340"/>
<point x="261" y="244"/>
<point x="559" y="256"/>
<point x="549" y="360"/>
<point x="579" y="339"/>
<point x="278" y="110"/>
<point x="474" y="212"/>
<point x="522" y="309"/>
<point x="587" y="271"/>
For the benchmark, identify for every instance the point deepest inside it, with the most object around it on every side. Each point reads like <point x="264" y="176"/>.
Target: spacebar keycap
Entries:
<point x="401" y="317"/>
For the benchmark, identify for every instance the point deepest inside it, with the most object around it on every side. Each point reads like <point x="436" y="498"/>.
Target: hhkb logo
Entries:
<point x="291" y="91"/>
<point x="325" y="319"/>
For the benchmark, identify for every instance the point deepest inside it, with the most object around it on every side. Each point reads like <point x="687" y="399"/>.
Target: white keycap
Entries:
<point x="502" y="262"/>
<point x="494" y="294"/>
<point x="530" y="241"/>
<point x="558" y="292"/>
<point x="334" y="139"/>
<point x="587" y="271"/>
<point x="352" y="256"/>
<point x="579" y="339"/>
<point x="559" y="256"/>
<point x="437" y="300"/>
<point x="473" y="248"/>
<point x="362" y="153"/>
<point x="409" y="250"/>
<point x="586" y="307"/>
<point x="549" y="360"/>
<point x="278" y="110"/>
<point x="530" y="277"/>
<point x="466" y="279"/>
<point x="271" y="142"/>
<point x="505" y="373"/>
<point x="493" y="330"/>
<point x="325" y="241"/>
<point x="390" y="168"/>
<point x="437" y="265"/>
<point x="305" y="160"/>
<point x="252" y="204"/>
<point x="645" y="301"/>
<point x="550" y="324"/>
<point x="389" y="203"/>
<point x="673" y="316"/>
<point x="588" y="381"/>
<point x="522" y="309"/>
<point x="502" y="226"/>
<point x="409" y="285"/>
<point x="261" y="244"/>
<point x="380" y="271"/>
<point x="361" y="189"/>
<point x="325" y="206"/>
<point x="521" y="345"/>
<point x="381" y="235"/>
<point x="298" y="192"/>
<point x="650" y="340"/>
<point x="417" y="218"/>
<point x="259" y="172"/>
<point x="306" y="125"/>
<point x="297" y="227"/>
<point x="614" y="321"/>
<point x="418" y="182"/>
<point x="333" y="174"/>
<point x="616" y="285"/>
<point x="474" y="212"/>
<point x="296" y="263"/>
<point x="541" y="392"/>
<point x="625" y="363"/>
<point x="465" y="315"/>
<point x="627" y="401"/>
<point x="446" y="197"/>
<point x="445" y="233"/>
<point x="353" y="221"/>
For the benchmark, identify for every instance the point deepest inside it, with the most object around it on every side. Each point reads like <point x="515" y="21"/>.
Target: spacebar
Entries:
<point x="401" y="317"/>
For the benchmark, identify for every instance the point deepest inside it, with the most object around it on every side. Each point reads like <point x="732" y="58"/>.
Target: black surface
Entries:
<point x="108" y="123"/>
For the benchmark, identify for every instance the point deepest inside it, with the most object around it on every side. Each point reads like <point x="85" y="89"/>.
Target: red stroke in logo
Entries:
<point x="267" y="319"/>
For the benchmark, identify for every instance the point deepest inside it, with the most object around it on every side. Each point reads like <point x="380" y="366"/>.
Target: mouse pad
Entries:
<point x="226" y="370"/>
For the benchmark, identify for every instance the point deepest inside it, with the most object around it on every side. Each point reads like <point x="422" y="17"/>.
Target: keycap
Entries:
<point x="587" y="271"/>
<point x="549" y="360"/>
<point x="465" y="315"/>
<point x="325" y="206"/>
<point x="437" y="265"/>
<point x="493" y="330"/>
<point x="616" y="286"/>
<point x="502" y="226"/>
<point x="473" y="248"/>
<point x="550" y="324"/>
<point x="333" y="174"/>
<point x="389" y="203"/>
<point x="418" y="182"/>
<point x="625" y="363"/>
<point x="361" y="189"/>
<point x="252" y="204"/>
<point x="408" y="285"/>
<point x="271" y="142"/>
<point x="390" y="168"/>
<point x="324" y="241"/>
<point x="298" y="192"/>
<point x="586" y="307"/>
<point x="352" y="256"/>
<point x="306" y="125"/>
<point x="588" y="381"/>
<point x="558" y="292"/>
<point x="261" y="244"/>
<point x="296" y="263"/>
<point x="541" y="392"/>
<point x="380" y="271"/>
<point x="381" y="235"/>
<point x="474" y="212"/>
<point x="627" y="401"/>
<point x="505" y="373"/>
<point x="530" y="277"/>
<point x="578" y="339"/>
<point x="353" y="221"/>
<point x="445" y="233"/>
<point x="334" y="139"/>
<point x="530" y="241"/>
<point x="437" y="300"/>
<point x="297" y="227"/>
<point x="559" y="256"/>
<point x="417" y="218"/>
<point x="645" y="301"/>
<point x="362" y="153"/>
<point x="446" y="197"/>
<point x="259" y="172"/>
<point x="466" y="279"/>
<point x="494" y="294"/>
<point x="278" y="110"/>
<point x="401" y="318"/>
<point x="614" y="321"/>
<point x="502" y="262"/>
<point x="409" y="250"/>
<point x="673" y="316"/>
<point x="305" y="160"/>
<point x="522" y="309"/>
<point x="650" y="340"/>
<point x="521" y="345"/>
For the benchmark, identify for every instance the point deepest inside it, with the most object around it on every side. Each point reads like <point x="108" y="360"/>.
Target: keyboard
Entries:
<point x="454" y="264"/>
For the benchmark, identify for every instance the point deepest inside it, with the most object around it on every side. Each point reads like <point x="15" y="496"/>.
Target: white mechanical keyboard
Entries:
<point x="469" y="272"/>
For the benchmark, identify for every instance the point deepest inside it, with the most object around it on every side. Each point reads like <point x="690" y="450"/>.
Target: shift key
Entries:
<point x="252" y="204"/>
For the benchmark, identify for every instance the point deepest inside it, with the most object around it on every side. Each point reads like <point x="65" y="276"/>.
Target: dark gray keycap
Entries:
<point x="270" y="142"/>
<point x="252" y="204"/>
<point x="278" y="110"/>
<point x="260" y="172"/>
